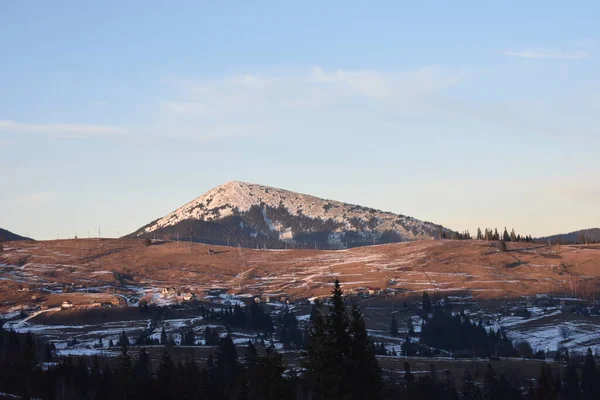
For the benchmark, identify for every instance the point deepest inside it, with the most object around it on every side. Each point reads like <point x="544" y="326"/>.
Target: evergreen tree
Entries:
<point x="479" y="234"/>
<point x="426" y="303"/>
<point x="124" y="370"/>
<point x="142" y="375"/>
<point x="513" y="236"/>
<point x="123" y="340"/>
<point x="410" y="327"/>
<point x="163" y="337"/>
<point x="470" y="391"/>
<point x="545" y="385"/>
<point x="394" y="328"/>
<point x="364" y="369"/>
<point x="505" y="235"/>
<point x="589" y="387"/>
<point x="571" y="389"/>
<point x="339" y="353"/>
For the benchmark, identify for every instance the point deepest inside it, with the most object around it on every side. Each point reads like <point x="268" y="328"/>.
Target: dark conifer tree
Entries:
<point x="426" y="303"/>
<point x="589" y="387"/>
<point x="571" y="390"/>
<point x="479" y="234"/>
<point x="394" y="327"/>
<point x="163" y="337"/>
<point x="123" y="340"/>
<point x="545" y="385"/>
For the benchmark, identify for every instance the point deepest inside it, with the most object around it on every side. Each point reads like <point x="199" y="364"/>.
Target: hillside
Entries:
<point x="470" y="267"/>
<point x="8" y="236"/>
<point x="582" y="236"/>
<point x="251" y="215"/>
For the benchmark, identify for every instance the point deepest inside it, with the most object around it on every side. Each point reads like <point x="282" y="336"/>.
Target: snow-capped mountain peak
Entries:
<point x="283" y="215"/>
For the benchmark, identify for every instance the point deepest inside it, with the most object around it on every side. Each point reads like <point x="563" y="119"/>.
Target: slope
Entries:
<point x="250" y="215"/>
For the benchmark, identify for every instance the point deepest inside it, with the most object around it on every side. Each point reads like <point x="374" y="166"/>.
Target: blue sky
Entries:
<point x="467" y="114"/>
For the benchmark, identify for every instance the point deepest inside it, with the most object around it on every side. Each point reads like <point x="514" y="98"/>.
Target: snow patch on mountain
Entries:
<point x="235" y="198"/>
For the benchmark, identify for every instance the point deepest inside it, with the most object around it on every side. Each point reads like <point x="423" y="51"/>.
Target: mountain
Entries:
<point x="255" y="215"/>
<point x="582" y="236"/>
<point x="7" y="236"/>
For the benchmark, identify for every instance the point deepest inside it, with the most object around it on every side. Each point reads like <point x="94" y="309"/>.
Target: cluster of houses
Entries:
<point x="370" y="291"/>
<point x="181" y="295"/>
<point x="68" y="304"/>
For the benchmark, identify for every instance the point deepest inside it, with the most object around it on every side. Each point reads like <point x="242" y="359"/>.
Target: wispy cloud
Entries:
<point x="294" y="89"/>
<point x="548" y="54"/>
<point x="274" y="101"/>
<point x="60" y="129"/>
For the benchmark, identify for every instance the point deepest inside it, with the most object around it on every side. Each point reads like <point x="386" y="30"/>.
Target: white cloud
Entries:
<point x="60" y="129"/>
<point x="548" y="54"/>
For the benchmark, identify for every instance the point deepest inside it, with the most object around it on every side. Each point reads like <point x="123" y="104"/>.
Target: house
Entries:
<point x="168" y="291"/>
<point x="66" y="304"/>
<point x="373" y="291"/>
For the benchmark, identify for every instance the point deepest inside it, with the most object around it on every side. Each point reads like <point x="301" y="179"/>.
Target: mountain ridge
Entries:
<point x="260" y="214"/>
<point x="10" y="236"/>
<point x="581" y="236"/>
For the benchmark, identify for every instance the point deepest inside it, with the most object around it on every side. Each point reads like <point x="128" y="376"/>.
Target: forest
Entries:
<point x="339" y="361"/>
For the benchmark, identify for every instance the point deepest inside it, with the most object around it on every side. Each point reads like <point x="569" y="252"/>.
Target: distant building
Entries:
<point x="374" y="291"/>
<point x="66" y="304"/>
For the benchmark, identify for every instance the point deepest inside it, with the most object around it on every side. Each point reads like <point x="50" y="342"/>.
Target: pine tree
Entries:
<point x="365" y="371"/>
<point x="479" y="234"/>
<point x="123" y="340"/>
<point x="394" y="328"/>
<point x="589" y="387"/>
<point x="545" y="385"/>
<point x="142" y="375"/>
<point x="410" y="327"/>
<point x="124" y="370"/>
<point x="339" y="354"/>
<point x="571" y="389"/>
<point x="470" y="391"/>
<point x="513" y="236"/>
<point x="426" y="303"/>
<point x="163" y="337"/>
